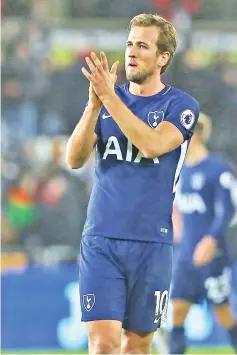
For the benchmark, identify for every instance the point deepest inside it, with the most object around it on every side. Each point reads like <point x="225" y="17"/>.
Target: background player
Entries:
<point x="141" y="131"/>
<point x="202" y="270"/>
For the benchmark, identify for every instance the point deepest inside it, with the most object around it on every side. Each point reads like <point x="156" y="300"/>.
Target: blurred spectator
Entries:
<point x="44" y="205"/>
<point x="15" y="8"/>
<point x="62" y="209"/>
<point x="215" y="88"/>
<point x="9" y="236"/>
<point x="225" y="122"/>
<point x="193" y="75"/>
<point x="18" y="93"/>
<point x="75" y="91"/>
<point x="20" y="204"/>
<point x="169" y="8"/>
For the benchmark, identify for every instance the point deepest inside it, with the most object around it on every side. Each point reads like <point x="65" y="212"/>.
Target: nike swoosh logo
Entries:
<point x="105" y="116"/>
<point x="160" y="318"/>
<point x="157" y="320"/>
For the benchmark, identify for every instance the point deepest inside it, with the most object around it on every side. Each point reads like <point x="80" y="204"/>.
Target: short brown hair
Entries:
<point x="167" y="40"/>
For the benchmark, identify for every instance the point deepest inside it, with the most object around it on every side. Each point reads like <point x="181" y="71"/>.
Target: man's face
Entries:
<point x="141" y="57"/>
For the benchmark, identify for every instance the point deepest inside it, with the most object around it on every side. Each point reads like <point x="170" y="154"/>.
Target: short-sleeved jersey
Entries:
<point x="132" y="196"/>
<point x="204" y="197"/>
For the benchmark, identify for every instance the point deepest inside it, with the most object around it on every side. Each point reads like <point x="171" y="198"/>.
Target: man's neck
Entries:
<point x="151" y="87"/>
<point x="196" y="155"/>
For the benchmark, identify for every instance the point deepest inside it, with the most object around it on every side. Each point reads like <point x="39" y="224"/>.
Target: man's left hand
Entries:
<point x="100" y="77"/>
<point x="204" y="251"/>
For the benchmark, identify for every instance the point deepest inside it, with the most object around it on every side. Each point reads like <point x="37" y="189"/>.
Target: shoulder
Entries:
<point x="183" y="109"/>
<point x="179" y="97"/>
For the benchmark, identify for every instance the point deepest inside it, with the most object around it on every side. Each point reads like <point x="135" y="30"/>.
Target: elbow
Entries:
<point x="72" y="160"/>
<point x="73" y="163"/>
<point x="151" y="153"/>
<point x="153" y="148"/>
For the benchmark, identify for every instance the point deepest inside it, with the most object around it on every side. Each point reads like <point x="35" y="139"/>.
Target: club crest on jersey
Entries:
<point x="88" y="301"/>
<point x="155" y="117"/>
<point x="187" y="118"/>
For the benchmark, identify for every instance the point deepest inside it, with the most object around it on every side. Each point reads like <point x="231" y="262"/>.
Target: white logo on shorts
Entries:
<point x="88" y="301"/>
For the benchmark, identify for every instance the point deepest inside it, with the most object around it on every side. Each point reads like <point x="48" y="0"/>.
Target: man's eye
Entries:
<point x="142" y="46"/>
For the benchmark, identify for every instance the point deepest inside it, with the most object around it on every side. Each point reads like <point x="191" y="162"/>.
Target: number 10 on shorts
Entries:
<point x="161" y="306"/>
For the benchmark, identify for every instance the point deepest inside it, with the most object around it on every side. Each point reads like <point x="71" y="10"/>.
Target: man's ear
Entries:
<point x="163" y="59"/>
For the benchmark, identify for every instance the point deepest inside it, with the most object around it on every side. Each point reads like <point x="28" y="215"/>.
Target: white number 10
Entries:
<point x="161" y="305"/>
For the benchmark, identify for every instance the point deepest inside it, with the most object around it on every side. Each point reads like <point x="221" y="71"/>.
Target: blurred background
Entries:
<point x="43" y="206"/>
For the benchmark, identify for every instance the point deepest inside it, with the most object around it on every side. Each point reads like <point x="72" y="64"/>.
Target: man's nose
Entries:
<point x="132" y="52"/>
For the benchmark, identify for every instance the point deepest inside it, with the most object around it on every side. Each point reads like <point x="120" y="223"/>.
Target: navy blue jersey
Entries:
<point x="204" y="197"/>
<point x="132" y="196"/>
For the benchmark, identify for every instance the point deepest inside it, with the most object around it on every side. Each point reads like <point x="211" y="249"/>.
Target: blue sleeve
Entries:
<point x="184" y="115"/>
<point x="224" y="205"/>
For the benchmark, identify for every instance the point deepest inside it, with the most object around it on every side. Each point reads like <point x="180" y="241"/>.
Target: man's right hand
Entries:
<point x="94" y="100"/>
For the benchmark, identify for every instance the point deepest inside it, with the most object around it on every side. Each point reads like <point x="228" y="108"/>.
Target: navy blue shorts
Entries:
<point x="125" y="280"/>
<point x="211" y="282"/>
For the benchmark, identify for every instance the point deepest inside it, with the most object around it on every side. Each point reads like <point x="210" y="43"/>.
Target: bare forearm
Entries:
<point x="83" y="139"/>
